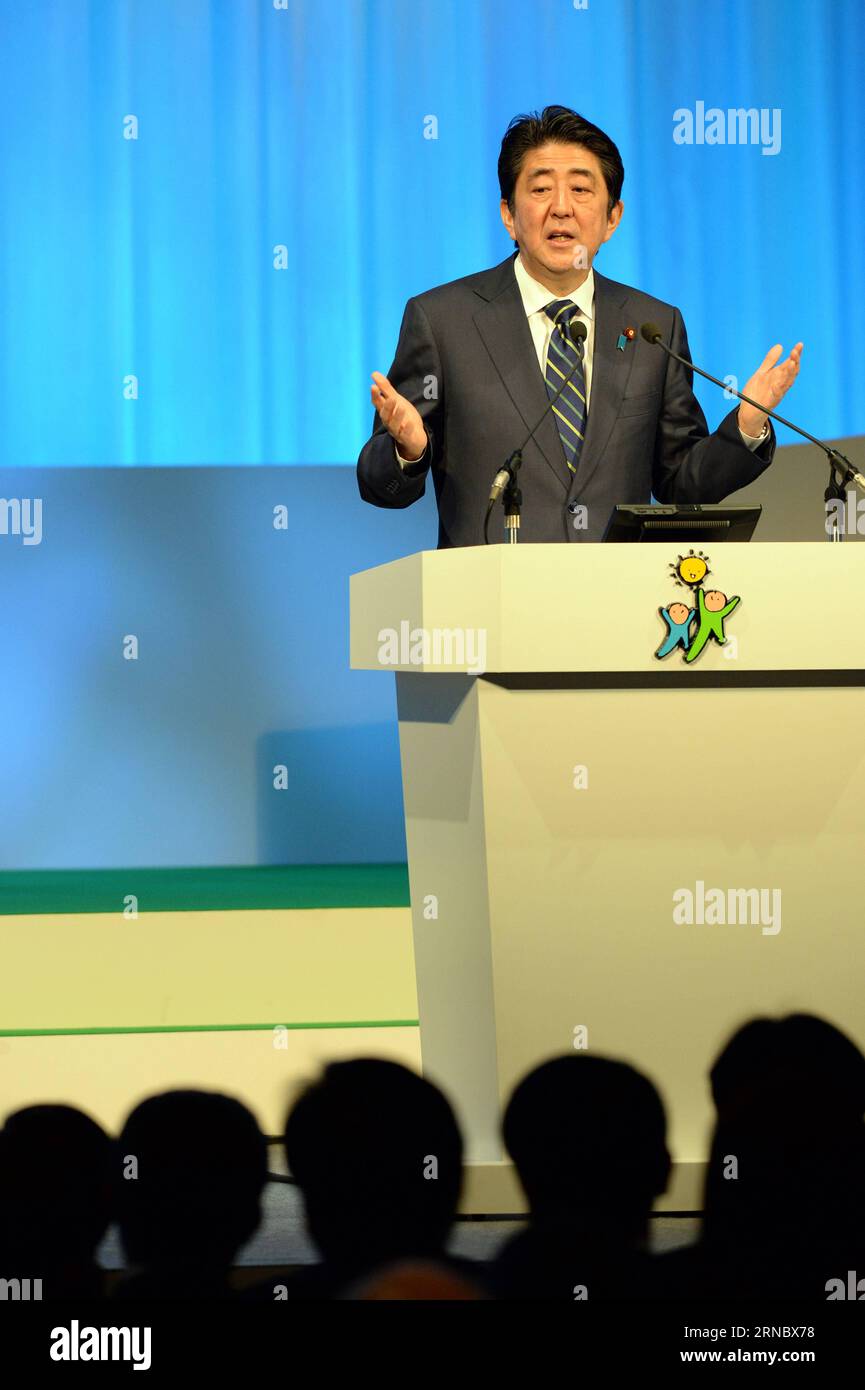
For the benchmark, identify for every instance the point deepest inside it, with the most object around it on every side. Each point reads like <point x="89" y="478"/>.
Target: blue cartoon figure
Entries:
<point x="678" y="619"/>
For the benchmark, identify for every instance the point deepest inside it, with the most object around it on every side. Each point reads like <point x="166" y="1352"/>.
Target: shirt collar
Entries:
<point x="536" y="296"/>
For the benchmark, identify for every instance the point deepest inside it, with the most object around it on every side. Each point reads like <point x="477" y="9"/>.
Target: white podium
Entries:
<point x="612" y="851"/>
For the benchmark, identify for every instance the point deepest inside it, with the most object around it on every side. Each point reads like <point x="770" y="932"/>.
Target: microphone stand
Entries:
<point x="512" y="498"/>
<point x="507" y="488"/>
<point x="835" y="493"/>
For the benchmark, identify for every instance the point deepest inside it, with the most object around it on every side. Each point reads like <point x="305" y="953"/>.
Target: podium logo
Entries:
<point x="692" y="625"/>
<point x="735" y="126"/>
<point x="464" y="648"/>
<point x="719" y="907"/>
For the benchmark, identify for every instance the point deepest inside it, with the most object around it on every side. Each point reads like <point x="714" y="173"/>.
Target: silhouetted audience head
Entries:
<point x="788" y="1153"/>
<point x="55" y="1198"/>
<point x="587" y="1136"/>
<point x="771" y="1068"/>
<point x="377" y="1153"/>
<point x="192" y="1165"/>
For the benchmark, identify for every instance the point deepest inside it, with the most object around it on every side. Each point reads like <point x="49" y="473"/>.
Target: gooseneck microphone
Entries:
<point x="506" y="478"/>
<point x="840" y="464"/>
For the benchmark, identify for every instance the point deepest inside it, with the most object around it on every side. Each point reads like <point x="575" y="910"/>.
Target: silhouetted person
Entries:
<point x="588" y="1138"/>
<point x="785" y="1186"/>
<point x="55" y="1200"/>
<point x="377" y="1154"/>
<point x="192" y="1166"/>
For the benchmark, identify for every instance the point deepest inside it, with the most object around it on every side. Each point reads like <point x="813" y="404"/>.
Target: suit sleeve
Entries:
<point x="690" y="464"/>
<point x="416" y="374"/>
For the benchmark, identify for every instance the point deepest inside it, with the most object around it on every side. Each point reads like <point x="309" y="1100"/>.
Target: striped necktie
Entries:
<point x="570" y="408"/>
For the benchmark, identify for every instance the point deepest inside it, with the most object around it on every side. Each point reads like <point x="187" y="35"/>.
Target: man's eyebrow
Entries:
<point x="584" y="173"/>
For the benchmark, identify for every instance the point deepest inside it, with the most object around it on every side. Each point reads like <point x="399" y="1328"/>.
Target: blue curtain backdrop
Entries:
<point x="304" y="126"/>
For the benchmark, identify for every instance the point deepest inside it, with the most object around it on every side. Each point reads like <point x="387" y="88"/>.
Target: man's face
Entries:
<point x="560" y="213"/>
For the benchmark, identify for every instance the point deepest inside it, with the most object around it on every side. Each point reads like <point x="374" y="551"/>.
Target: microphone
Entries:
<point x="500" y="481"/>
<point x="577" y="332"/>
<point x="838" y="462"/>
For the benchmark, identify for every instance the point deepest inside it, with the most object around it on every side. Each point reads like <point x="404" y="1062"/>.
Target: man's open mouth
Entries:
<point x="560" y="236"/>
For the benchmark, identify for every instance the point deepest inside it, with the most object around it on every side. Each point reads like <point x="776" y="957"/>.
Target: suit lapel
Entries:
<point x="610" y="372"/>
<point x="504" y="328"/>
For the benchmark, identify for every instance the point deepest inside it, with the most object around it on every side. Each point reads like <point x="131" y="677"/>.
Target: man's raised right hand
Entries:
<point x="400" y="418"/>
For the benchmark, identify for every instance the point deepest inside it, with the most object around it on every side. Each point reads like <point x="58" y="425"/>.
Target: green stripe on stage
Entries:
<point x="204" y="1028"/>
<point x="25" y="891"/>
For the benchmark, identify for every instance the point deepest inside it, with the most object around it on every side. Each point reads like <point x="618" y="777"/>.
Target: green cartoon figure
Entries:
<point x="712" y="609"/>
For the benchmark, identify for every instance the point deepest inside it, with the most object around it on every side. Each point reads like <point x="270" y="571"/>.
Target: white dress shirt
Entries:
<point x="536" y="297"/>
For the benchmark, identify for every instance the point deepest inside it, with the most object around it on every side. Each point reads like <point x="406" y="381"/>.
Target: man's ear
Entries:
<point x="614" y="219"/>
<point x="507" y="218"/>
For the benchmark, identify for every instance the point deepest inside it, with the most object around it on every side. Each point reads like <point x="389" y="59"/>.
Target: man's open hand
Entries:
<point x="400" y="418"/>
<point x="769" y="385"/>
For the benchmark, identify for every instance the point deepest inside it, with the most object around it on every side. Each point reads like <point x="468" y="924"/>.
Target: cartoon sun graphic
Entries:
<point x="691" y="569"/>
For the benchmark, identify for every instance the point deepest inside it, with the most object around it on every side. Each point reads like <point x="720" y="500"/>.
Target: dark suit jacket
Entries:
<point x="466" y="359"/>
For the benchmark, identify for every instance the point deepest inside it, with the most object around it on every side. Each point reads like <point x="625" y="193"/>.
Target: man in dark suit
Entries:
<point x="479" y="358"/>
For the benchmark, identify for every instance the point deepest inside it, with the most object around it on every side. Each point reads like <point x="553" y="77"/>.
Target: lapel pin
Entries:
<point x="624" y="338"/>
